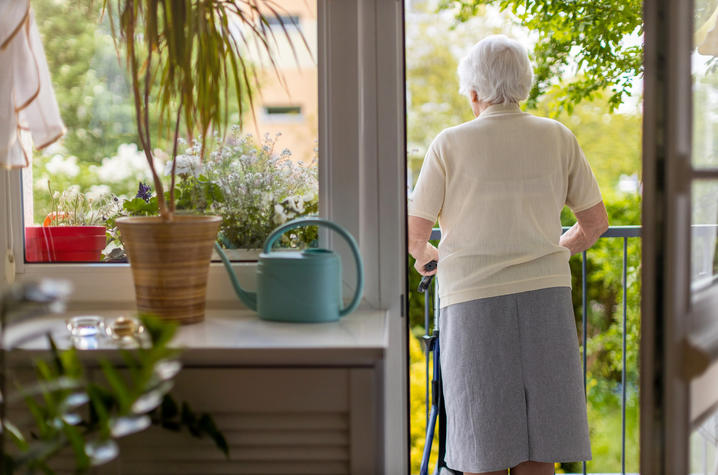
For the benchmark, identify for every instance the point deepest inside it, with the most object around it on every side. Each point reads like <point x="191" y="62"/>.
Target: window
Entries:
<point x="360" y="116"/>
<point x="286" y="21"/>
<point x="97" y="172"/>
<point x="282" y="113"/>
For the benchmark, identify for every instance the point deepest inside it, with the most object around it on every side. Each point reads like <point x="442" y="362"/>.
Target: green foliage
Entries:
<point x="250" y="186"/>
<point x="115" y="175"/>
<point x="92" y="89"/>
<point x="139" y="207"/>
<point x="260" y="188"/>
<point x="73" y="208"/>
<point x="417" y="436"/>
<point x="70" y="409"/>
<point x="166" y="43"/>
<point x="198" y="194"/>
<point x="433" y="99"/>
<point x="591" y="44"/>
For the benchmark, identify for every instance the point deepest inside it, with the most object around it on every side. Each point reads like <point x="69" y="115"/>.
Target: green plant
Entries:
<point x="184" y="57"/>
<point x="594" y="44"/>
<point x="144" y="203"/>
<point x="71" y="410"/>
<point x="254" y="189"/>
<point x="73" y="208"/>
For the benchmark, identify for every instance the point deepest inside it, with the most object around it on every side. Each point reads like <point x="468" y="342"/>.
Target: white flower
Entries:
<point x="128" y="163"/>
<point x="279" y="216"/>
<point x="59" y="165"/>
<point x="97" y="192"/>
<point x="72" y="191"/>
<point x="267" y="198"/>
<point x="309" y="196"/>
<point x="186" y="165"/>
<point x="296" y="203"/>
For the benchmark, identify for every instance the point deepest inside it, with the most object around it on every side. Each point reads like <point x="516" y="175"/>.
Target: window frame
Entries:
<point x="362" y="170"/>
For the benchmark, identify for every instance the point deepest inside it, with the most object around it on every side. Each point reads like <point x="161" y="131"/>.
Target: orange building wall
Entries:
<point x="299" y="134"/>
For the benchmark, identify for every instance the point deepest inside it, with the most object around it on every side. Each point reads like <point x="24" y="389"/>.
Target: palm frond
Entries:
<point x="184" y="56"/>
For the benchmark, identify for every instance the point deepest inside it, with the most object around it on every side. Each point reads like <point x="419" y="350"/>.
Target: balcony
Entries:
<point x="621" y="453"/>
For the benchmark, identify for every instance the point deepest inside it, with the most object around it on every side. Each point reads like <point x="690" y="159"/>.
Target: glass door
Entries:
<point x="679" y="354"/>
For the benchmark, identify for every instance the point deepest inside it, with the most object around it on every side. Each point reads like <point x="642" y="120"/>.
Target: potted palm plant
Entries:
<point x="183" y="57"/>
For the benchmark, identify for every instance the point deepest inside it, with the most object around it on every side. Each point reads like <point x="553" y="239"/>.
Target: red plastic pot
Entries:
<point x="64" y="243"/>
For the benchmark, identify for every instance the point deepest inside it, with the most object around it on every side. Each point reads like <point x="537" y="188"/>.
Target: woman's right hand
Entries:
<point x="428" y="254"/>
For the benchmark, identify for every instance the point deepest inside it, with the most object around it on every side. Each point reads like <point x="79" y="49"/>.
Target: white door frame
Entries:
<point x="361" y="70"/>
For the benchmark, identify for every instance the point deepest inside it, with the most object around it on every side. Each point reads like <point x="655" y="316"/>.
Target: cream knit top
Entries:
<point x="498" y="184"/>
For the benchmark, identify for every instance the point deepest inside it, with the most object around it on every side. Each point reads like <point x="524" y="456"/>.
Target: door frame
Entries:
<point x="666" y="147"/>
<point x="679" y="344"/>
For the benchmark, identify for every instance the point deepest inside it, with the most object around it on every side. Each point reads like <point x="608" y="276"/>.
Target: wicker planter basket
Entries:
<point x="170" y="263"/>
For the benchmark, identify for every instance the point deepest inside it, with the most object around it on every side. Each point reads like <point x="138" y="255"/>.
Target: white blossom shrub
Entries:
<point x="260" y="190"/>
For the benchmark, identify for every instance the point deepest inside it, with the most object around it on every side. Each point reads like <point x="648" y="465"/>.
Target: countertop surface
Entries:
<point x="233" y="338"/>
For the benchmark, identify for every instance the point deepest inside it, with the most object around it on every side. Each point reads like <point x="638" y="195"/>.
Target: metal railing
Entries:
<point x="614" y="232"/>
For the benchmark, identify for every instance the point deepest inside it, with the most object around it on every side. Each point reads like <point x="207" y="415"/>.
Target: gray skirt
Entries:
<point x="512" y="379"/>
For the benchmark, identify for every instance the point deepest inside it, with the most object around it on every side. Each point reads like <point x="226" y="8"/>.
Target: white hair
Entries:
<point x="498" y="69"/>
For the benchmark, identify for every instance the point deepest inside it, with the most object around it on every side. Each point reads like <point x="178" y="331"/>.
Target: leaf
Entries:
<point x="121" y="392"/>
<point x="169" y="408"/>
<point x="101" y="404"/>
<point x="45" y="388"/>
<point x="15" y="435"/>
<point x="55" y="355"/>
<point x="189" y="419"/>
<point x="101" y="451"/>
<point x="77" y="442"/>
<point x="39" y="415"/>
<point x="126" y="425"/>
<point x="206" y="424"/>
<point x="140" y="207"/>
<point x="160" y="332"/>
<point x="71" y="364"/>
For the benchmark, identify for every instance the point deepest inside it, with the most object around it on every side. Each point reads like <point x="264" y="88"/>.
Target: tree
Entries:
<point x="91" y="87"/>
<point x="433" y="45"/>
<point x="583" y="47"/>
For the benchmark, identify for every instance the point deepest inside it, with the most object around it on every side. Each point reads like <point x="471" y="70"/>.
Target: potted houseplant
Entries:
<point x="183" y="58"/>
<point x="85" y="409"/>
<point x="74" y="229"/>
<point x="254" y="188"/>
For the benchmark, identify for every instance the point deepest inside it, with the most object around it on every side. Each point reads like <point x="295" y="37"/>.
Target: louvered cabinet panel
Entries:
<point x="275" y="420"/>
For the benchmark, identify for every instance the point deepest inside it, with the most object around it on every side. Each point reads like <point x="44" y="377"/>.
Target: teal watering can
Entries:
<point x="299" y="286"/>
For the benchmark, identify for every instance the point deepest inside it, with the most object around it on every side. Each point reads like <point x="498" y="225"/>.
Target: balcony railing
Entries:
<point x="614" y="232"/>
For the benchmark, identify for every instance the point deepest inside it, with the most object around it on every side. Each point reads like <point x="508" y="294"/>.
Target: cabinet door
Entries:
<point x="308" y="421"/>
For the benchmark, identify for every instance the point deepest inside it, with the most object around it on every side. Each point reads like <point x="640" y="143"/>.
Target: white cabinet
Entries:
<point x="289" y="398"/>
<point x="275" y="420"/>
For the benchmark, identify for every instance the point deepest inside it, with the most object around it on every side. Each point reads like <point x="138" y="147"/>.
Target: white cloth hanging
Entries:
<point x="27" y="99"/>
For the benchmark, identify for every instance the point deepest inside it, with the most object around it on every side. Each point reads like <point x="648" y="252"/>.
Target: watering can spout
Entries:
<point x="248" y="298"/>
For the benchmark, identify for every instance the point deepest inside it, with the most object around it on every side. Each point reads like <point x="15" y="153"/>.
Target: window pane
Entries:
<point x="704" y="231"/>
<point x="704" y="447"/>
<point x="259" y="175"/>
<point x="705" y="85"/>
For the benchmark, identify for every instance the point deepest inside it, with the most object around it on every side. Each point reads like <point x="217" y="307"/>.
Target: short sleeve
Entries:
<point x="427" y="199"/>
<point x="583" y="191"/>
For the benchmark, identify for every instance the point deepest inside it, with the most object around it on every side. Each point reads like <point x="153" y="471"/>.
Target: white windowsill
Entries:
<point x="240" y="338"/>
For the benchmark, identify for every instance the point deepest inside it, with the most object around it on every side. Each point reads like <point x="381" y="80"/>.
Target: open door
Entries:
<point x="679" y="345"/>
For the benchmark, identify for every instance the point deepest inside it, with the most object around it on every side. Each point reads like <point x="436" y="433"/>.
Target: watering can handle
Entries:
<point x="300" y="222"/>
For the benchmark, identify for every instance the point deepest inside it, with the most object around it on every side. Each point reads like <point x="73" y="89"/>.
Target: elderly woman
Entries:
<point x="497" y="184"/>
